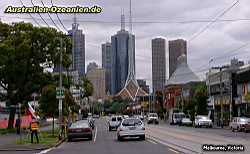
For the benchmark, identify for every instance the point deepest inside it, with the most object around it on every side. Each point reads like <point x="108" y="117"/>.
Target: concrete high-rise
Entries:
<point x="158" y="64"/>
<point x="78" y="49"/>
<point x="176" y="49"/>
<point x="106" y="64"/>
<point x="97" y="78"/>
<point x="120" y="58"/>
<point x="92" y="66"/>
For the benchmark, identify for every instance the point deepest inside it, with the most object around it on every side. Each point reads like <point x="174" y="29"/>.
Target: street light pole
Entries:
<point x="60" y="84"/>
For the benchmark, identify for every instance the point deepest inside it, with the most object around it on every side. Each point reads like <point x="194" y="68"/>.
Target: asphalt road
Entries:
<point x="191" y="139"/>
<point x="106" y="143"/>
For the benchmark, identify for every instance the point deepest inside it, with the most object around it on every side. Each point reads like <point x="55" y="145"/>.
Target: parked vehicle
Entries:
<point x="203" y="121"/>
<point x="186" y="121"/>
<point x="153" y="118"/>
<point x="238" y="123"/>
<point x="80" y="129"/>
<point x="125" y="116"/>
<point x="176" y="118"/>
<point x="114" y="122"/>
<point x="131" y="127"/>
<point x="96" y="116"/>
<point x="247" y="127"/>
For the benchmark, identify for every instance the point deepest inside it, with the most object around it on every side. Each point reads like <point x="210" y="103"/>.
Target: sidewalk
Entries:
<point x="8" y="141"/>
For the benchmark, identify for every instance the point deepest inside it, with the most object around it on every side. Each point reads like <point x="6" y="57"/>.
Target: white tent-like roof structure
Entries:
<point x="183" y="74"/>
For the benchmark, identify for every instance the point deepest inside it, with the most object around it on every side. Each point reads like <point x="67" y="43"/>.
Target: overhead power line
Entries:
<point x="40" y="14"/>
<point x="51" y="17"/>
<point x="59" y="18"/>
<point x="212" y="22"/>
<point x="137" y="22"/>
<point x="232" y="52"/>
<point x="31" y="16"/>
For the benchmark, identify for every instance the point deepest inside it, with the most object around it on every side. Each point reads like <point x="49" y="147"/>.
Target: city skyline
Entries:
<point x="229" y="35"/>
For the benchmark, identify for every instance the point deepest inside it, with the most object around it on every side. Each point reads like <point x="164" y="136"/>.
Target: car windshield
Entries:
<point x="79" y="125"/>
<point x="244" y="119"/>
<point x="119" y="118"/>
<point x="153" y="115"/>
<point x="113" y="119"/>
<point x="179" y="115"/>
<point x="131" y="122"/>
<point x="203" y="118"/>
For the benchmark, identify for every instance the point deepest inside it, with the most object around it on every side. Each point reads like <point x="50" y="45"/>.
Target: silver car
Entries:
<point x="238" y="123"/>
<point x="131" y="127"/>
<point x="114" y="122"/>
<point x="186" y="121"/>
<point x="203" y="121"/>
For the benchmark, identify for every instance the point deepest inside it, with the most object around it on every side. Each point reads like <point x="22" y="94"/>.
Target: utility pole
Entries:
<point x="60" y="84"/>
<point x="221" y="100"/>
<point x="149" y="105"/>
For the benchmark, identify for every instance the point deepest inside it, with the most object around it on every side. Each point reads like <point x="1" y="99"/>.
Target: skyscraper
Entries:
<point x="158" y="64"/>
<point x="97" y="78"/>
<point x="106" y="64"/>
<point x="78" y="49"/>
<point x="176" y="49"/>
<point x="119" y="58"/>
<point x="92" y="66"/>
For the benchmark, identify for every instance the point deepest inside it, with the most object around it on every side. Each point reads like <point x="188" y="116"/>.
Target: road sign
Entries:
<point x="60" y="93"/>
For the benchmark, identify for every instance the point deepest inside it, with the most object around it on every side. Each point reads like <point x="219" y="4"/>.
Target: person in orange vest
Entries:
<point x="34" y="128"/>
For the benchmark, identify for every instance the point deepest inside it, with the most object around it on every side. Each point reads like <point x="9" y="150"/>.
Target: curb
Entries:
<point x="36" y="149"/>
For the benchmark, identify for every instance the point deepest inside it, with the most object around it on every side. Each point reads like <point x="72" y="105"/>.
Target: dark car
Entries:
<point x="80" y="129"/>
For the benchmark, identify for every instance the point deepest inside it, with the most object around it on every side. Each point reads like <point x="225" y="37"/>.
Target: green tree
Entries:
<point x="200" y="99"/>
<point x="88" y="88"/>
<point x="48" y="104"/>
<point x="25" y="52"/>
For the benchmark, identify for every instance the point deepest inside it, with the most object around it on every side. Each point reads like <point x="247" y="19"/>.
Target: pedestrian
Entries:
<point x="18" y="125"/>
<point x="34" y="128"/>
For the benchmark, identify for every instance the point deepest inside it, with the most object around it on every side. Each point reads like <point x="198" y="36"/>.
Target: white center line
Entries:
<point x="173" y="150"/>
<point x="95" y="134"/>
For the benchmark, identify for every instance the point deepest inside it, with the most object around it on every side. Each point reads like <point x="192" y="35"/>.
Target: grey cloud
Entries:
<point x="215" y="41"/>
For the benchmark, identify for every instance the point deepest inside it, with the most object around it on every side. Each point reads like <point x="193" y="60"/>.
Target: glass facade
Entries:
<point x="120" y="60"/>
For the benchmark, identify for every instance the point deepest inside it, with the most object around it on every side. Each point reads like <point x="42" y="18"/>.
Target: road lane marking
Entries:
<point x="173" y="150"/>
<point x="151" y="141"/>
<point x="45" y="151"/>
<point x="172" y="145"/>
<point x="95" y="134"/>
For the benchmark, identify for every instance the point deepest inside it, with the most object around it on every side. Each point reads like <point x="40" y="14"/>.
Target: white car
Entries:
<point x="186" y="121"/>
<point x="201" y="121"/>
<point x="153" y="118"/>
<point x="125" y="116"/>
<point x="114" y="122"/>
<point x="238" y="123"/>
<point x="131" y="127"/>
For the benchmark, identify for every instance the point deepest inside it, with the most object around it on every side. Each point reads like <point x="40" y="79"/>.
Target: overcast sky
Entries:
<point x="220" y="38"/>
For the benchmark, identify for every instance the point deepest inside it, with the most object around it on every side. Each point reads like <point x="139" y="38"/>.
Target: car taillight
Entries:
<point x="87" y="130"/>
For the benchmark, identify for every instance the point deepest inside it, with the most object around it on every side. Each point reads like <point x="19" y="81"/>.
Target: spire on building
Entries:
<point x="122" y="21"/>
<point x="75" y="24"/>
<point x="131" y="89"/>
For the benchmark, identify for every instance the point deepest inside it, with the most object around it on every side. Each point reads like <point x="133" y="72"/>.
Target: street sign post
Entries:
<point x="60" y="93"/>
